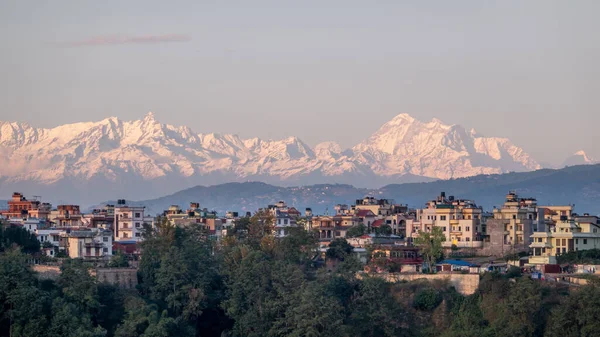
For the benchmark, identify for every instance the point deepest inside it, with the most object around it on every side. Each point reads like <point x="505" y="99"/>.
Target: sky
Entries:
<point x="319" y="70"/>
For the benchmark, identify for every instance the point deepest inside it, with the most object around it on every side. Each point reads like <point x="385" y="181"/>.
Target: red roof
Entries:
<point x="292" y="210"/>
<point x="377" y="223"/>
<point x="365" y="212"/>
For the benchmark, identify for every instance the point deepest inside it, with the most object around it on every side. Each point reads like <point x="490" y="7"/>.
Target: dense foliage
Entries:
<point x="253" y="284"/>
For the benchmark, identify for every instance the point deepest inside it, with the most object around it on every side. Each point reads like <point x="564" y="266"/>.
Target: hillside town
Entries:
<point x="474" y="239"/>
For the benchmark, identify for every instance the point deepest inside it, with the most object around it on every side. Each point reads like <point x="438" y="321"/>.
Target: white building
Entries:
<point x="129" y="222"/>
<point x="90" y="245"/>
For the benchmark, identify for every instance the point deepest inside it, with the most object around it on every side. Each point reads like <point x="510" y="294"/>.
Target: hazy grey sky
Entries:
<point x="320" y="70"/>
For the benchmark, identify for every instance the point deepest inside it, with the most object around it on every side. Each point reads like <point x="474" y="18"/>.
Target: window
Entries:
<point x="125" y="225"/>
<point x="468" y="239"/>
<point x="459" y="228"/>
<point x="469" y="218"/>
<point x="585" y="241"/>
<point x="468" y="229"/>
<point x="137" y="215"/>
<point x="125" y="235"/>
<point x="105" y="250"/>
<point x="514" y="216"/>
<point x="444" y="229"/>
<point x="137" y="235"/>
<point x="442" y="217"/>
<point x="595" y="230"/>
<point x="137" y="225"/>
<point x="105" y="239"/>
<point x="564" y="242"/>
<point x="285" y="221"/>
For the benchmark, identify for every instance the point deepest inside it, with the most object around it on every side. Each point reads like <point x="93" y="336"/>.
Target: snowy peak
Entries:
<point x="579" y="158"/>
<point x="435" y="149"/>
<point x="147" y="150"/>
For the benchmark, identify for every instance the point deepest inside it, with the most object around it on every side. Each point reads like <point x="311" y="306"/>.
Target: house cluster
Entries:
<point x="66" y="231"/>
<point x="388" y="229"/>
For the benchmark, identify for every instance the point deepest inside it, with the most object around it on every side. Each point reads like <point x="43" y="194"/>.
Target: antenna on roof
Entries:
<point x="37" y="197"/>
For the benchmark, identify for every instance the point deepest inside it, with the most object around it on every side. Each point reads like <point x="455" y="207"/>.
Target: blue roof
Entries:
<point x="126" y="242"/>
<point x="459" y="263"/>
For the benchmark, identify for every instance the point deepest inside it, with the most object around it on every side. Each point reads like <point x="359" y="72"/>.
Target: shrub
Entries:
<point x="427" y="299"/>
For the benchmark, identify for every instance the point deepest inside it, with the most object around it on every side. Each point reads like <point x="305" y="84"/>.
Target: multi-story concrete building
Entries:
<point x="100" y="218"/>
<point x="20" y="207"/>
<point x="90" y="245"/>
<point x="67" y="216"/>
<point x="333" y="227"/>
<point x="284" y="218"/>
<point x="564" y="236"/>
<point x="512" y="225"/>
<point x="128" y="222"/>
<point x="459" y="219"/>
<point x="380" y="207"/>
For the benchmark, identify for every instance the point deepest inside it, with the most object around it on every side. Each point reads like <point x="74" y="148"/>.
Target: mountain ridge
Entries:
<point x="578" y="185"/>
<point x="116" y="152"/>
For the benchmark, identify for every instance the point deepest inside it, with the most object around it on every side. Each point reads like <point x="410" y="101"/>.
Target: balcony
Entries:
<point x="93" y="244"/>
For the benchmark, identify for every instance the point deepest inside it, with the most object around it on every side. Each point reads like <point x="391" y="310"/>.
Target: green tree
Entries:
<point x="430" y="244"/>
<point x="577" y="316"/>
<point x="373" y="312"/>
<point x="260" y="227"/>
<point x="22" y="305"/>
<point x="119" y="260"/>
<point x="339" y="249"/>
<point x="383" y="230"/>
<point x="12" y="235"/>
<point x="469" y="320"/>
<point x="356" y="231"/>
<point x="78" y="286"/>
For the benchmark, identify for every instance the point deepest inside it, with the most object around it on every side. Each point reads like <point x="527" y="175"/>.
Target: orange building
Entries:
<point x="20" y="207"/>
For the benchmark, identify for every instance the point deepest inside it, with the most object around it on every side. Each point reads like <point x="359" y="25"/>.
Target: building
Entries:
<point x="564" y="236"/>
<point x="512" y="225"/>
<point x="90" y="245"/>
<point x="100" y="218"/>
<point x="284" y="218"/>
<point x="20" y="207"/>
<point x="129" y="222"/>
<point x="395" y="258"/>
<point x="67" y="216"/>
<point x="459" y="219"/>
<point x="380" y="207"/>
<point x="333" y="227"/>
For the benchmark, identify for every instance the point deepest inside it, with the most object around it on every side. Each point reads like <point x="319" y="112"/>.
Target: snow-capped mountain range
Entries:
<point x="579" y="158"/>
<point x="144" y="158"/>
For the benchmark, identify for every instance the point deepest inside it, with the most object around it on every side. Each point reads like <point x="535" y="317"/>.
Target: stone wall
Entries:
<point x="46" y="272"/>
<point x="465" y="284"/>
<point x="121" y="277"/>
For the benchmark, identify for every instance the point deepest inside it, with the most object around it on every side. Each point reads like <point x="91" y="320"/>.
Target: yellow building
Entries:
<point x="459" y="219"/>
<point x="563" y="236"/>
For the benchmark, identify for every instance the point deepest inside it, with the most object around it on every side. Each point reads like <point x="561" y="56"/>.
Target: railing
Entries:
<point x="464" y="244"/>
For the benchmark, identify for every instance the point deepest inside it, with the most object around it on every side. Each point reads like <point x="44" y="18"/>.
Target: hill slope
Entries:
<point x="579" y="185"/>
